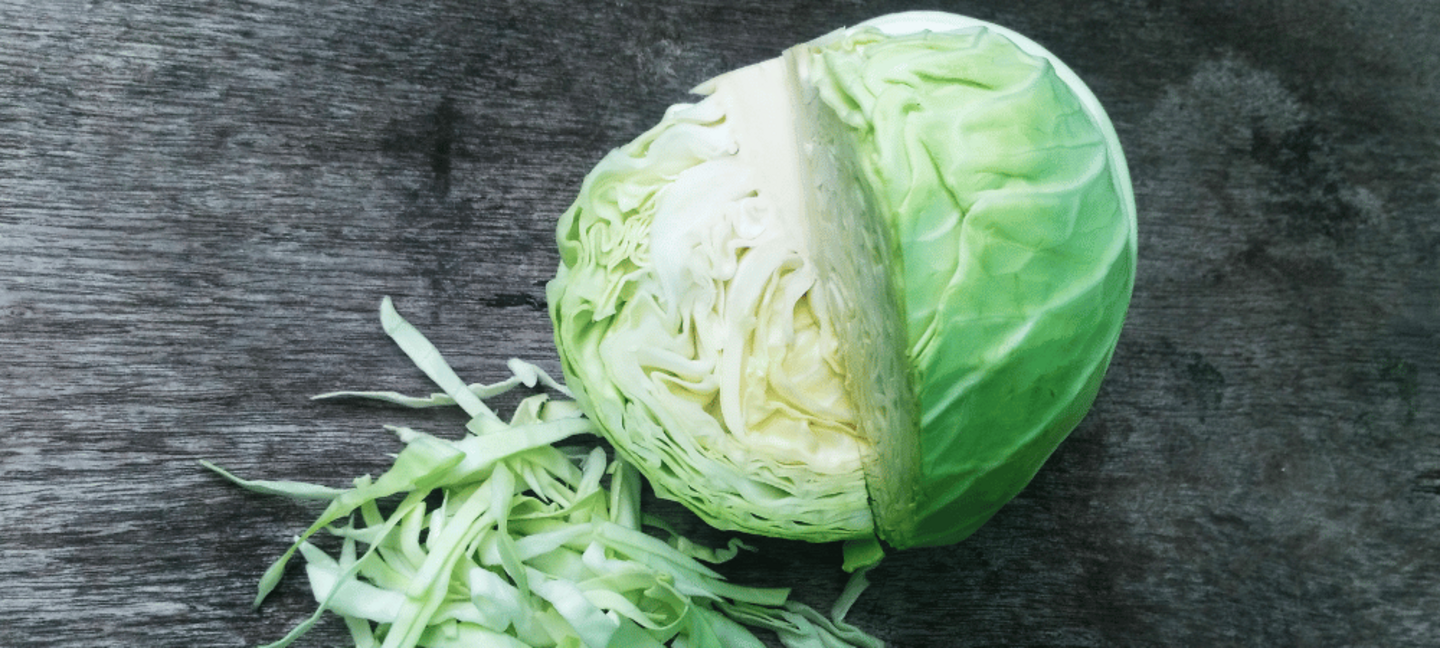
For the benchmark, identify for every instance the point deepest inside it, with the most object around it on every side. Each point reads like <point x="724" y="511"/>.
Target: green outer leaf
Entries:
<point x="1010" y="199"/>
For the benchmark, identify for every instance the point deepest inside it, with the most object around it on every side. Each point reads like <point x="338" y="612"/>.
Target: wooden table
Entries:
<point x="201" y="204"/>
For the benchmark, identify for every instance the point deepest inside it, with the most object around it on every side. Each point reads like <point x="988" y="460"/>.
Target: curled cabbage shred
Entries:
<point x="858" y="291"/>
<point x="504" y="538"/>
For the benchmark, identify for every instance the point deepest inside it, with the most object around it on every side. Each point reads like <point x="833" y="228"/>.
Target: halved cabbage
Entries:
<point x="863" y="289"/>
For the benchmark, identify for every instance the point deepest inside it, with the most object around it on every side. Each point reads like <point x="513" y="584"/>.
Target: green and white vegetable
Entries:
<point x="860" y="290"/>
<point x="503" y="539"/>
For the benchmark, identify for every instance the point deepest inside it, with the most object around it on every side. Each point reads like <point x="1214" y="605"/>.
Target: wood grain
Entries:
<point x="201" y="204"/>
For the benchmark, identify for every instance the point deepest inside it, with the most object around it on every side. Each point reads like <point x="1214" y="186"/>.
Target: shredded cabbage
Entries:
<point x="502" y="538"/>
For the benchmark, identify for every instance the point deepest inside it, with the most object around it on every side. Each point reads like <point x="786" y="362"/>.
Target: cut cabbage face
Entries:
<point x="863" y="289"/>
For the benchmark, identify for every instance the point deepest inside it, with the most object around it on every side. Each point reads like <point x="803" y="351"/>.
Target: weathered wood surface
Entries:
<point x="201" y="204"/>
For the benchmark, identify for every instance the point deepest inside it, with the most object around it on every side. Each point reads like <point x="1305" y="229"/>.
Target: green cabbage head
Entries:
<point x="860" y="290"/>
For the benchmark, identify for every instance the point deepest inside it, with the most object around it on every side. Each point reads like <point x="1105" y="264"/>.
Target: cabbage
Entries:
<point x="858" y="291"/>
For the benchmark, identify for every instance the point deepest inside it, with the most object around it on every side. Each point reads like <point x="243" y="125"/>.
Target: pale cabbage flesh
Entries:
<point x="740" y="270"/>
<point x="722" y="342"/>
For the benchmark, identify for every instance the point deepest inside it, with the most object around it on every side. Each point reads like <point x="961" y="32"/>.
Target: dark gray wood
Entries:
<point x="201" y="204"/>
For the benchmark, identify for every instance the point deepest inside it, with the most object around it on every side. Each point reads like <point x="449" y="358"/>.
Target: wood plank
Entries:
<point x="201" y="205"/>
